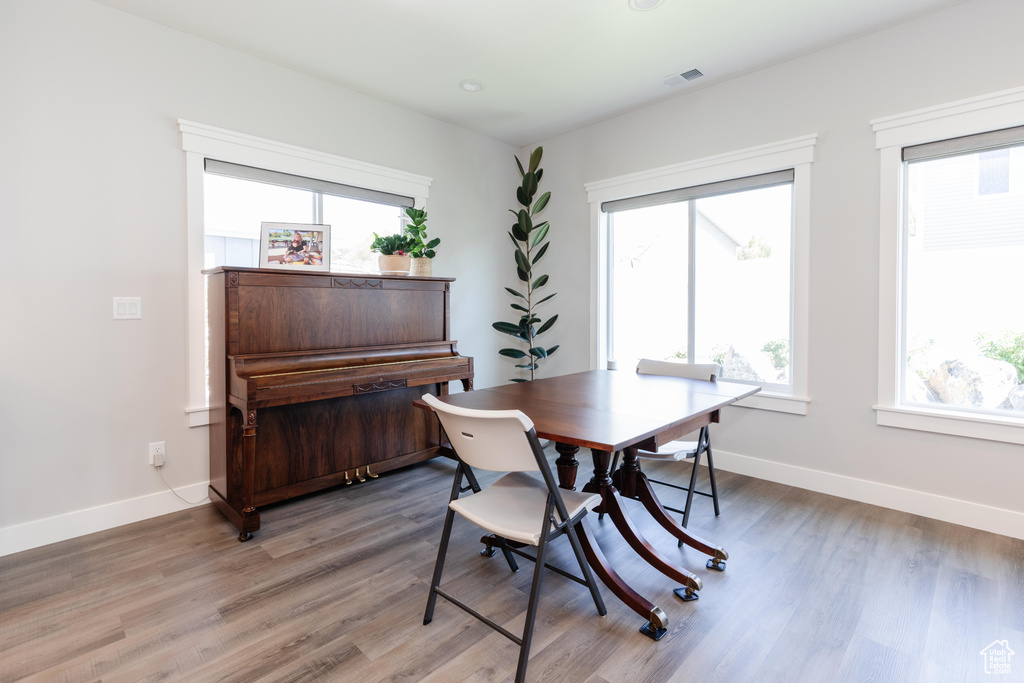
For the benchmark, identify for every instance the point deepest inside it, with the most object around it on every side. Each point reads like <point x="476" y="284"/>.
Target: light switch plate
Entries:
<point x="127" y="308"/>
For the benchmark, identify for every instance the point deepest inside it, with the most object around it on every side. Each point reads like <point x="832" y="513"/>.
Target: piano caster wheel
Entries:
<point x="686" y="594"/>
<point x="716" y="564"/>
<point x="244" y="536"/>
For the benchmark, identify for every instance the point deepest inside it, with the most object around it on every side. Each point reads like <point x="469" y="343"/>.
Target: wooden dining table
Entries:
<point x="608" y="411"/>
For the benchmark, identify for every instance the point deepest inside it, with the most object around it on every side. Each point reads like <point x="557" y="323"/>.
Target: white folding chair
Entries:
<point x="518" y="507"/>
<point x="676" y="451"/>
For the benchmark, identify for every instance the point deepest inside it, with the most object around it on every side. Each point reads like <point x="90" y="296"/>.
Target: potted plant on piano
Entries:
<point x="394" y="253"/>
<point x="422" y="246"/>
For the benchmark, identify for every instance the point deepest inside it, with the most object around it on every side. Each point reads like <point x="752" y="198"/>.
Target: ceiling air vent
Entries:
<point x="679" y="79"/>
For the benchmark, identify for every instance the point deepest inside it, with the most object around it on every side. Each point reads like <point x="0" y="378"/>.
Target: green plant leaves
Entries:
<point x="507" y="328"/>
<point x="530" y="247"/>
<point x="539" y="233"/>
<point x="546" y="326"/>
<point x="529" y="187"/>
<point x="535" y="158"/>
<point x="525" y="222"/>
<point x="542" y="202"/>
<point x="521" y="195"/>
<point x="540" y="253"/>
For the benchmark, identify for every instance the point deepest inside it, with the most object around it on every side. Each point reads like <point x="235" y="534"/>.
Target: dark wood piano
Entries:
<point x="313" y="378"/>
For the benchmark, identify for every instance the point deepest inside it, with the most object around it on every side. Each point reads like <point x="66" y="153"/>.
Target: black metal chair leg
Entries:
<point x="442" y="552"/>
<point x="711" y="473"/>
<point x="531" y="610"/>
<point x="588" y="573"/>
<point x="693" y="487"/>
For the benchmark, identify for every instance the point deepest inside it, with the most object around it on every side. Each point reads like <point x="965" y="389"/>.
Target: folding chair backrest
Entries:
<point x="495" y="440"/>
<point x="705" y="371"/>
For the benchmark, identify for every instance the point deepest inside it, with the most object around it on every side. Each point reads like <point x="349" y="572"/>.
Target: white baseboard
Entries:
<point x="42" y="532"/>
<point x="965" y="513"/>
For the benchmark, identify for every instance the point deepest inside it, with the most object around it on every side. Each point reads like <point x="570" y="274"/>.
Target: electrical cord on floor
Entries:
<point x="160" y="470"/>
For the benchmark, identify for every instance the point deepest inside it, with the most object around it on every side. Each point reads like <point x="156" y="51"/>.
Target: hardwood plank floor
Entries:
<point x="333" y="588"/>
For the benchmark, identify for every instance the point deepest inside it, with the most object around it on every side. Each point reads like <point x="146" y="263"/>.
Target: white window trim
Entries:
<point x="797" y="154"/>
<point x="994" y="111"/>
<point x="200" y="142"/>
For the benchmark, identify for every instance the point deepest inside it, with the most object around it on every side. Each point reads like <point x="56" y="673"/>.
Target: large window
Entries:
<point x="705" y="261"/>
<point x="951" y="326"/>
<point x="963" y="236"/>
<point x="705" y="274"/>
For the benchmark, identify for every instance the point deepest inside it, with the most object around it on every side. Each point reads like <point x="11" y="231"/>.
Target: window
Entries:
<point x="707" y="261"/>
<point x="705" y="274"/>
<point x="235" y="181"/>
<point x="951" y="356"/>
<point x="238" y="199"/>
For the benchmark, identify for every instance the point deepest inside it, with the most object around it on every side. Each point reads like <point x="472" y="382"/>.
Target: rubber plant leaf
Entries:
<point x="546" y="326"/>
<point x="539" y="233"/>
<point x="540" y="253"/>
<point x="507" y="328"/>
<point x="542" y="202"/>
<point x="535" y="158"/>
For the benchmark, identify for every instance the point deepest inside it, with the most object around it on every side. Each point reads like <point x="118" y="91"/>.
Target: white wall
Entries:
<point x="968" y="50"/>
<point x="92" y="205"/>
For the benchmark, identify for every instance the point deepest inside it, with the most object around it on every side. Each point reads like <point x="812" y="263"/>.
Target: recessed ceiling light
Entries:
<point x="644" y="5"/>
<point x="471" y="85"/>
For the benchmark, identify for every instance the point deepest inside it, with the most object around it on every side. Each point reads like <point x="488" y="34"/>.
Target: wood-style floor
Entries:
<point x="333" y="589"/>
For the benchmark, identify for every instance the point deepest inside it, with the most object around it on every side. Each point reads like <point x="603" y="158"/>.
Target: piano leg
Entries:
<point x="248" y="473"/>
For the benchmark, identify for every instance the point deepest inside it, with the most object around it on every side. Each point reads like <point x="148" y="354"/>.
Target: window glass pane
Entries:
<point x="233" y="211"/>
<point x="964" y="325"/>
<point x="649" y="283"/>
<point x="353" y="223"/>
<point x="743" y="279"/>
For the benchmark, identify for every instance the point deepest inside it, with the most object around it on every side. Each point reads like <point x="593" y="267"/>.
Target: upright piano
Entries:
<point x="313" y="378"/>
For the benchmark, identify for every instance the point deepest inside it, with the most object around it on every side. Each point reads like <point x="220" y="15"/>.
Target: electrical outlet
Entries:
<point x="158" y="453"/>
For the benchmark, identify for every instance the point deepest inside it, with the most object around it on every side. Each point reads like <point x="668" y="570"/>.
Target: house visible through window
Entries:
<point x="705" y="274"/>
<point x="963" y="317"/>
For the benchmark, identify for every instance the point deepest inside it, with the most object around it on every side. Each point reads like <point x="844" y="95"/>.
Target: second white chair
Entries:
<point x="677" y="451"/>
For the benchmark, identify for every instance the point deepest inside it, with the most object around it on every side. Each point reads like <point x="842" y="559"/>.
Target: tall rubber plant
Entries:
<point x="530" y="240"/>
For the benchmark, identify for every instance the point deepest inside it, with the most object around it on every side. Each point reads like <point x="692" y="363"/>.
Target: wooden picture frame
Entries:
<point x="296" y="246"/>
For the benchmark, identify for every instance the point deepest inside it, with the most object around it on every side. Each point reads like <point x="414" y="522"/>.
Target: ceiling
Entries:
<point x="548" y="66"/>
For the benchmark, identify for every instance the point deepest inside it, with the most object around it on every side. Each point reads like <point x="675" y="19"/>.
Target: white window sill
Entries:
<point x="779" y="403"/>
<point x="198" y="417"/>
<point x="989" y="427"/>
